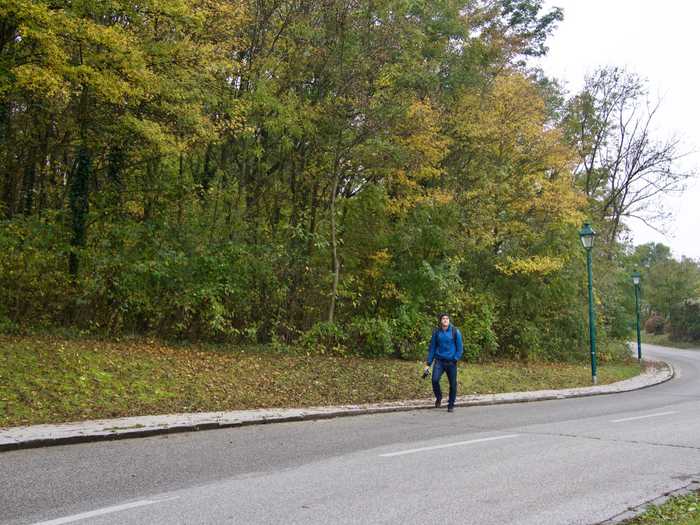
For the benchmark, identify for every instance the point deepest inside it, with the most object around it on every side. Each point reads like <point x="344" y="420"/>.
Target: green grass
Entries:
<point x="663" y="340"/>
<point x="681" y="510"/>
<point x="47" y="380"/>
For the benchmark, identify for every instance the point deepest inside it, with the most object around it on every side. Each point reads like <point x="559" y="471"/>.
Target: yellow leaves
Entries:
<point x="225" y="24"/>
<point x="234" y="122"/>
<point x="378" y="261"/>
<point x="422" y="148"/>
<point x="103" y="84"/>
<point x="517" y="168"/>
<point x="39" y="76"/>
<point x="40" y="81"/>
<point x="507" y="123"/>
<point x="381" y="257"/>
<point x="441" y="197"/>
<point x="536" y="264"/>
<point x="423" y="140"/>
<point x="155" y="79"/>
<point x="70" y="52"/>
<point x="391" y="291"/>
<point x="562" y="203"/>
<point x="150" y="132"/>
<point x="388" y="77"/>
<point x="134" y="208"/>
<point x="106" y="38"/>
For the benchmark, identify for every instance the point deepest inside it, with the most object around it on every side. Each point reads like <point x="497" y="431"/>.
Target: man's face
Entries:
<point x="445" y="321"/>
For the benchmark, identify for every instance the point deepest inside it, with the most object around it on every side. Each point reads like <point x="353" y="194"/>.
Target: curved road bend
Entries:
<point x="574" y="461"/>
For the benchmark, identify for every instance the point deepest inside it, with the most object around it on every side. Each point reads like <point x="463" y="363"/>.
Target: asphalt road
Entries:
<point x="574" y="461"/>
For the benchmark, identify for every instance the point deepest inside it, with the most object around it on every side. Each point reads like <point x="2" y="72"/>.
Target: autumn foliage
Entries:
<point x="288" y="172"/>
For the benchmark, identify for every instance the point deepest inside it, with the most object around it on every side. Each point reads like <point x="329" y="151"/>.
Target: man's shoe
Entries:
<point x="438" y="402"/>
<point x="450" y="409"/>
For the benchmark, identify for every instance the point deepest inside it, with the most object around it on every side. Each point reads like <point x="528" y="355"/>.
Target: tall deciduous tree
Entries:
<point x="623" y="166"/>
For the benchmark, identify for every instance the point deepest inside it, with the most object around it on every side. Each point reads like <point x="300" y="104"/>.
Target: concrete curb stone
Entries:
<point x="33" y="436"/>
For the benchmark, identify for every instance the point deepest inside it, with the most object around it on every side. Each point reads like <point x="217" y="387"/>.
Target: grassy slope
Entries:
<point x="54" y="380"/>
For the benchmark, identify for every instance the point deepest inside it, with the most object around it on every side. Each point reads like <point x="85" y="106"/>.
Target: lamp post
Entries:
<point x="587" y="234"/>
<point x="636" y="278"/>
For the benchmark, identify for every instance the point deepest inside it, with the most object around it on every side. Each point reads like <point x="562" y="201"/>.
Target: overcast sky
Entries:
<point x="659" y="41"/>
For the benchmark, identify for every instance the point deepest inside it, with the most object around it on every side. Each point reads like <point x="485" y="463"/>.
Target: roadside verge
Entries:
<point x="14" y="438"/>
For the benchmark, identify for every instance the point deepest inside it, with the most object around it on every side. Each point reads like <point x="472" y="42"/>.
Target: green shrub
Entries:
<point x="9" y="327"/>
<point x="613" y="351"/>
<point x="165" y="286"/>
<point x="478" y="334"/>
<point x="324" y="337"/>
<point x="370" y="337"/>
<point x="526" y="341"/>
<point x="35" y="289"/>
<point x="410" y="333"/>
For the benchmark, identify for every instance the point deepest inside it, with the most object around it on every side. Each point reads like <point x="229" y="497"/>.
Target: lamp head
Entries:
<point x="587" y="234"/>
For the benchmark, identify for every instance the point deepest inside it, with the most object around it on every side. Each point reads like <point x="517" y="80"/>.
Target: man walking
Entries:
<point x="445" y="350"/>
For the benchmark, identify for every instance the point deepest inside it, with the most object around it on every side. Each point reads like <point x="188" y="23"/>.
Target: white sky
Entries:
<point x="659" y="41"/>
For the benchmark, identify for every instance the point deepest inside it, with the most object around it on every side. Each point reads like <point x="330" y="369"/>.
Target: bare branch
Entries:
<point x="622" y="166"/>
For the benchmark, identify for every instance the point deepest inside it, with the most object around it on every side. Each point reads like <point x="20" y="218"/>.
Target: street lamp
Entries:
<point x="587" y="234"/>
<point x="636" y="278"/>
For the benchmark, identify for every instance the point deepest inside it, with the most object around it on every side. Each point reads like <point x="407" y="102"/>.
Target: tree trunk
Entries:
<point x="207" y="173"/>
<point x="28" y="183"/>
<point x="180" y="189"/>
<point x="334" y="243"/>
<point x="44" y="163"/>
<point x="115" y="164"/>
<point x="78" y="199"/>
<point x="9" y="183"/>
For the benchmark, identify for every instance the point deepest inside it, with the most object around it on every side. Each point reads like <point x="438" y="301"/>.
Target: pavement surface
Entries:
<point x="13" y="438"/>
<point x="583" y="460"/>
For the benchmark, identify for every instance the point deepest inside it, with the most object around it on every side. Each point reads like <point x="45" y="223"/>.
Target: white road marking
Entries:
<point x="643" y="417"/>
<point x="106" y="510"/>
<point x="459" y="443"/>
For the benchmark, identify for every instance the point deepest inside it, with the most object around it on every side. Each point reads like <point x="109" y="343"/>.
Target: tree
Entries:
<point x="665" y="281"/>
<point x="93" y="89"/>
<point x="672" y="282"/>
<point x="517" y="204"/>
<point x="622" y="166"/>
<point x="512" y="29"/>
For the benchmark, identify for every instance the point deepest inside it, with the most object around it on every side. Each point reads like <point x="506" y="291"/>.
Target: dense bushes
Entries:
<point x="138" y="284"/>
<point x="325" y="337"/>
<point x="410" y="332"/>
<point x="35" y="288"/>
<point x="137" y="279"/>
<point x="685" y="321"/>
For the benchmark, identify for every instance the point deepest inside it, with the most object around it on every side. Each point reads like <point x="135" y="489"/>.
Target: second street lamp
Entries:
<point x="587" y="234"/>
<point x="636" y="278"/>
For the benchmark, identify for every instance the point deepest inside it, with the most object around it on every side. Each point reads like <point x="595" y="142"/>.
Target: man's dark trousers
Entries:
<point x="450" y="367"/>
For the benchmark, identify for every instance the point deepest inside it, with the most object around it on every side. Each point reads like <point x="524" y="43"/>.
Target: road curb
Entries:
<point x="15" y="438"/>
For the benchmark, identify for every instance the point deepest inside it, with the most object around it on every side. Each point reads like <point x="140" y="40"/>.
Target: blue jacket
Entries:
<point x="443" y="346"/>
